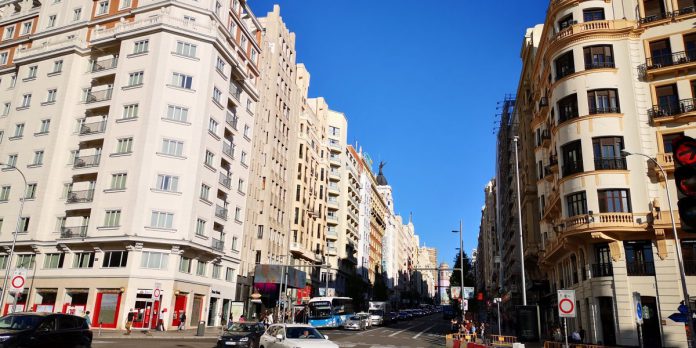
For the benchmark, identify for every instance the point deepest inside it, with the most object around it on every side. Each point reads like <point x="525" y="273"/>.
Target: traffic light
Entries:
<point x="684" y="152"/>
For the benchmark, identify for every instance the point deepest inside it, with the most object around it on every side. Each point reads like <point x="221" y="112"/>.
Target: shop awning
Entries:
<point x="274" y="273"/>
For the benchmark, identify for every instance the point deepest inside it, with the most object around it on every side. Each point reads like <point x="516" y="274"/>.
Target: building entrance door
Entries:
<point x="196" y="310"/>
<point x="179" y="307"/>
<point x="651" y="323"/>
<point x="606" y="315"/>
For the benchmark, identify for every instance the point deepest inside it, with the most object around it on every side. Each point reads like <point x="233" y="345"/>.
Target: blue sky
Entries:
<point x="419" y="85"/>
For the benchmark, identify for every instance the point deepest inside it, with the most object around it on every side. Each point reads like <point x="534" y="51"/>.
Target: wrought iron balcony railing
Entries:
<point x="83" y="196"/>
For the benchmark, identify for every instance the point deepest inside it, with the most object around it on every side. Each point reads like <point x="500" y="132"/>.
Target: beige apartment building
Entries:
<point x="267" y="225"/>
<point x="488" y="260"/>
<point x="132" y="121"/>
<point x="602" y="76"/>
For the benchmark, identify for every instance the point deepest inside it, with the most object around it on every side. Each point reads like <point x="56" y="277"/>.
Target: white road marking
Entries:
<point x="420" y="333"/>
<point x="400" y="331"/>
<point x="366" y="331"/>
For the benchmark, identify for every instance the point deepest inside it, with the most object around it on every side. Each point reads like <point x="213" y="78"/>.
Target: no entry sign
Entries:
<point x="566" y="303"/>
<point x="18" y="280"/>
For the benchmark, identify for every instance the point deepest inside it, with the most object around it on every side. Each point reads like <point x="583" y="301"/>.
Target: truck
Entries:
<point x="379" y="312"/>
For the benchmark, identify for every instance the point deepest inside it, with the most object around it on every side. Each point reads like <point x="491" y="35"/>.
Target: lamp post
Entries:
<point x="519" y="220"/>
<point x="461" y="267"/>
<point x="677" y="245"/>
<point x="14" y="236"/>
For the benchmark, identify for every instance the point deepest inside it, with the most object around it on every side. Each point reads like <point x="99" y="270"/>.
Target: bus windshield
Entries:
<point x="319" y="310"/>
<point x="377" y="312"/>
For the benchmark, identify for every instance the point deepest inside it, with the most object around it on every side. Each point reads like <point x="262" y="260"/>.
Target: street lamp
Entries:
<point x="461" y="267"/>
<point x="519" y="220"/>
<point x="677" y="245"/>
<point x="14" y="237"/>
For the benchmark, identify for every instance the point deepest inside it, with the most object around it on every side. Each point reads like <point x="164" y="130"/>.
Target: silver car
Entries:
<point x="294" y="335"/>
<point x="354" y="323"/>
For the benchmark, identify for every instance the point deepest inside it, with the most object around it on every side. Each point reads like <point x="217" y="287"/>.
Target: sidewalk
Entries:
<point x="210" y="333"/>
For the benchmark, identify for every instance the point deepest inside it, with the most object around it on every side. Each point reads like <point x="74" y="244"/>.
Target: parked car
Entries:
<point x="391" y="317"/>
<point x="246" y="335"/>
<point x="44" y="330"/>
<point x="366" y="318"/>
<point x="405" y="315"/>
<point x="294" y="335"/>
<point x="354" y="323"/>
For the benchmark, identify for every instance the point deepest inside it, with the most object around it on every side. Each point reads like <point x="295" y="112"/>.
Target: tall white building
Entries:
<point x="132" y="121"/>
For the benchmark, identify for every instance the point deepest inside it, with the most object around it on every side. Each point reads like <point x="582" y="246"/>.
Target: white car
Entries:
<point x="294" y="336"/>
<point x="366" y="318"/>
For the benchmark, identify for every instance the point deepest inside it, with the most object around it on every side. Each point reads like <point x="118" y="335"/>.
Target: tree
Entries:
<point x="469" y="279"/>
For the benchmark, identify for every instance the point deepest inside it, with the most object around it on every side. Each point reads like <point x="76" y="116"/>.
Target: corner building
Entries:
<point x="606" y="76"/>
<point x="132" y="121"/>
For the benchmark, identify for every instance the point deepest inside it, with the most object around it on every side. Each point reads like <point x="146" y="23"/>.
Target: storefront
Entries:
<point x="44" y="300"/>
<point x="179" y="307"/>
<point x="212" y="311"/>
<point x="146" y="308"/>
<point x="75" y="301"/>
<point x="15" y="302"/>
<point x="107" y="307"/>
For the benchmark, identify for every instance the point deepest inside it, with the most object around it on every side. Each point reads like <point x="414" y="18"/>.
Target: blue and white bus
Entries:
<point x="329" y="312"/>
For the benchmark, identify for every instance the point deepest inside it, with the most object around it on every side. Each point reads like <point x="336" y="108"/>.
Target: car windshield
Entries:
<point x="242" y="327"/>
<point x="377" y="312"/>
<point x="303" y="333"/>
<point x="354" y="318"/>
<point x="19" y="322"/>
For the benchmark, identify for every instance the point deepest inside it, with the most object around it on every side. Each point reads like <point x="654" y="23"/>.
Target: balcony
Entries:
<point x="600" y="65"/>
<point x="610" y="163"/>
<point x="73" y="232"/>
<point x="667" y="63"/>
<point x="657" y="16"/>
<point x="228" y="149"/>
<point x="602" y="221"/>
<point x="640" y="268"/>
<point x="572" y="168"/>
<point x="335" y="160"/>
<point x="331" y="234"/>
<point x="331" y="251"/>
<point x="225" y="181"/>
<point x="332" y="201"/>
<point x="604" y="110"/>
<point x="666" y="160"/>
<point x="217" y="244"/>
<point x="333" y="188"/>
<point x="334" y="146"/>
<point x="92" y="128"/>
<point x="672" y="112"/>
<point x="221" y="212"/>
<point x="98" y="96"/>
<point x="84" y="196"/>
<point x="232" y="120"/>
<point x="299" y="250"/>
<point x="332" y="219"/>
<point x="592" y="28"/>
<point x="104" y="64"/>
<point x="602" y="270"/>
<point x="86" y="161"/>
<point x="334" y="175"/>
<point x="75" y="43"/>
<point x="235" y="91"/>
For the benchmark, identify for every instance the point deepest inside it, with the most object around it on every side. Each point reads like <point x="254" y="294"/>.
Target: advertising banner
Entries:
<point x="455" y="292"/>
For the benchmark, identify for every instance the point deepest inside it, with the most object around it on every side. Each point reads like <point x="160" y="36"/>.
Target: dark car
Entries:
<point x="44" y="330"/>
<point x="241" y="335"/>
<point x="392" y="317"/>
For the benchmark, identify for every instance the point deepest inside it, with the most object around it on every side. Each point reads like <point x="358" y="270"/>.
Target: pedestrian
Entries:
<point x="162" y="320"/>
<point x="269" y="317"/>
<point x="129" y="321"/>
<point x="182" y="321"/>
<point x="88" y="319"/>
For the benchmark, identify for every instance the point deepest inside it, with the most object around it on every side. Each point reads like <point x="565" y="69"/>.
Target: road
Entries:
<point x="423" y="332"/>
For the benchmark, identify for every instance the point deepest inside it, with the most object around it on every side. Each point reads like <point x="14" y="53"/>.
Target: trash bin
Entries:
<point x="201" y="328"/>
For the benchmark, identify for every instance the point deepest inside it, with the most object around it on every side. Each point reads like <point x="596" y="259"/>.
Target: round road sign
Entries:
<point x="156" y="293"/>
<point x="566" y="306"/>
<point x="18" y="282"/>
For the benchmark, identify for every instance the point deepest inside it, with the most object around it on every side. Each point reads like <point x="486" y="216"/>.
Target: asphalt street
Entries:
<point x="423" y="332"/>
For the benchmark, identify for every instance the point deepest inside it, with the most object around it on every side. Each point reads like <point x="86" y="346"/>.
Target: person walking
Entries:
<point x="162" y="320"/>
<point x="88" y="319"/>
<point x="182" y="321"/>
<point x="129" y="321"/>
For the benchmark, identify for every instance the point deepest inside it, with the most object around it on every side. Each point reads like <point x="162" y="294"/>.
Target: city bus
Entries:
<point x="329" y="312"/>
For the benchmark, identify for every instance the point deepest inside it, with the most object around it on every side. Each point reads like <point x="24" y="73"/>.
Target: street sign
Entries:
<point x="638" y="307"/>
<point x="18" y="280"/>
<point x="467" y="292"/>
<point x="566" y="303"/>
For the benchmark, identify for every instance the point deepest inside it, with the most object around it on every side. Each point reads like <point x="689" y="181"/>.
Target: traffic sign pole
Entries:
<point x="565" y="327"/>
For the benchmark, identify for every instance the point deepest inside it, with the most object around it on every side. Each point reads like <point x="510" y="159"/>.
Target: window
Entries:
<point x="216" y="94"/>
<point x="593" y="14"/>
<point x="45" y="126"/>
<point x="205" y="192"/>
<point x="112" y="218"/>
<point x="257" y="258"/>
<point x="31" y="73"/>
<point x="38" y="158"/>
<point x="6" y="109"/>
<point x="24" y="224"/>
<point x="220" y="65"/>
<point x="12" y="160"/>
<point x="177" y="113"/>
<point x="135" y="79"/>
<point x="154" y="260"/>
<point x="13" y="81"/>
<point x="566" y="22"/>
<point x="240" y="185"/>
<point x="5" y="193"/>
<point x="26" y="28"/>
<point x="568" y="108"/>
<point x="216" y="271"/>
<point x="51" y="21"/>
<point x="603" y="101"/>
<point x="124" y="145"/>
<point x="243" y="158"/>
<point x="185" y="264"/>
<point x="200" y="227"/>
<point x="186" y="49"/>
<point x="26" y="261"/>
<point x="53" y="261"/>
<point x="77" y="13"/>
<point x="229" y="274"/>
<point x="253" y="55"/>
<point x="565" y="65"/>
<point x="51" y="96"/>
<point x="168" y="183"/>
<point x="209" y="158"/>
<point x="607" y="153"/>
<point x="614" y="201"/>
<point x="102" y="7"/>
<point x="58" y="66"/>
<point x="26" y="100"/>
<point x="115" y="259"/>
<point x="212" y="126"/>
<point x="247" y="131"/>
<point x="572" y="158"/>
<point x="181" y="80"/>
<point x="118" y="181"/>
<point x="576" y="204"/>
<point x="639" y="258"/>
<point x="172" y="147"/>
<point x="3" y="261"/>
<point x="83" y="260"/>
<point x="201" y="268"/>
<point x="250" y="106"/>
<point x="238" y="214"/>
<point x="30" y="192"/>
<point x="125" y="4"/>
<point x="660" y="54"/>
<point x="130" y="111"/>
<point x="141" y="46"/>
<point x="3" y="58"/>
<point x="9" y="32"/>
<point x="234" y="243"/>
<point x="259" y="232"/>
<point x="668" y="100"/>
<point x="667" y="140"/>
<point x="160" y="219"/>
<point x="601" y="56"/>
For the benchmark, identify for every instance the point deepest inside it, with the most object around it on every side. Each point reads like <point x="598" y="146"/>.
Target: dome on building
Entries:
<point x="444" y="265"/>
<point x="381" y="179"/>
